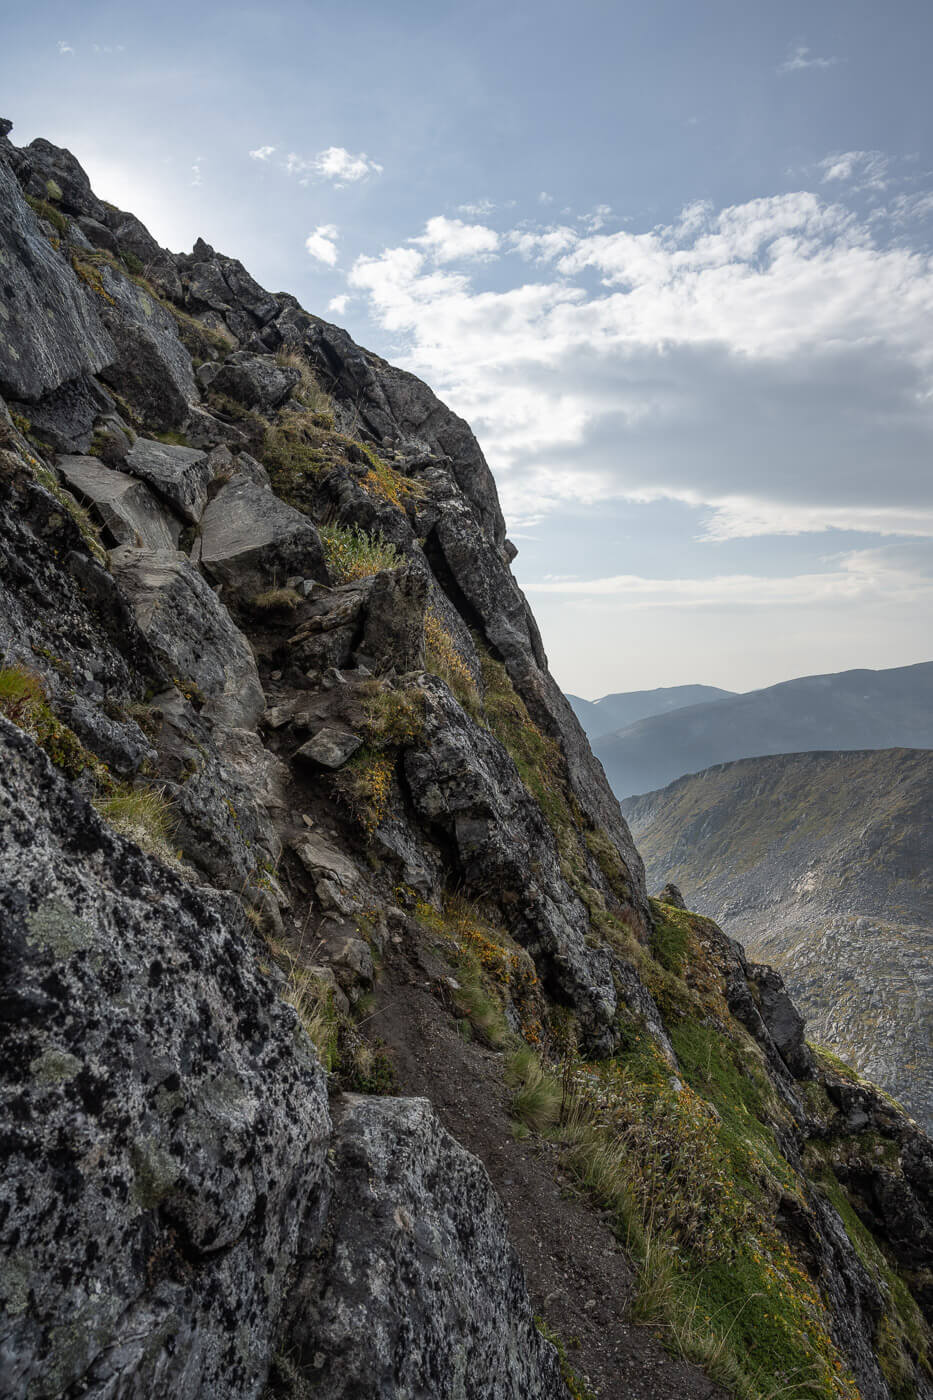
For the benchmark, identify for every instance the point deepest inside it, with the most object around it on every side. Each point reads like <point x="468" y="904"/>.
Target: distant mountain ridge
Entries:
<point x="822" y="864"/>
<point x="622" y="708"/>
<point x="848" y="710"/>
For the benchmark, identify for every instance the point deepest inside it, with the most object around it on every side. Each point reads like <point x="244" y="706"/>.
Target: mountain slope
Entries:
<point x="623" y="708"/>
<point x="822" y="864"/>
<point x="309" y="882"/>
<point x="848" y="710"/>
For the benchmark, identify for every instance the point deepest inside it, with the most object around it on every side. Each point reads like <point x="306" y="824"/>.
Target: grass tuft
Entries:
<point x="351" y="553"/>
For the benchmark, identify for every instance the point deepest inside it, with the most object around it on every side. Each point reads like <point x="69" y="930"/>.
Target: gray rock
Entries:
<point x="329" y="748"/>
<point x="50" y="331"/>
<point x="419" y="1292"/>
<point x="65" y="418"/>
<point x="393" y="622"/>
<point x="463" y="783"/>
<point x="151" y="367"/>
<point x="125" y="506"/>
<point x="783" y="1021"/>
<point x="164" y="1119"/>
<point x="180" y="475"/>
<point x="56" y="166"/>
<point x="251" y="541"/>
<point x="255" y="380"/>
<point x="192" y="632"/>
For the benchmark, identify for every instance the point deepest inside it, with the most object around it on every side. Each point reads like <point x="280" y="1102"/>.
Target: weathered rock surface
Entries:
<point x="414" y="1243"/>
<point x="151" y="367"/>
<point x="251" y="541"/>
<point x="192" y="632"/>
<point x="49" y="330"/>
<point x="165" y="1126"/>
<point x="255" y="380"/>
<point x="180" y="475"/>
<point x="463" y="782"/>
<point x="125" y="506"/>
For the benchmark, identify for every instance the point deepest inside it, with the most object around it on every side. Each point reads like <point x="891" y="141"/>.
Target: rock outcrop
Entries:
<point x="287" y="790"/>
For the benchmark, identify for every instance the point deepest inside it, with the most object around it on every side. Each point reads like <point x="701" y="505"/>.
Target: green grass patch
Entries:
<point x="23" y="701"/>
<point x="352" y="553"/>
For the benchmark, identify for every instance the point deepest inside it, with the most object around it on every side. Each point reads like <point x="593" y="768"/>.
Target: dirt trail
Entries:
<point x="578" y="1276"/>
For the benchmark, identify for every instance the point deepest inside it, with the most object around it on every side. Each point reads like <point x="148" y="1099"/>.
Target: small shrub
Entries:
<point x="536" y="1093"/>
<point x="351" y="553"/>
<point x="364" y="786"/>
<point x="393" y="718"/>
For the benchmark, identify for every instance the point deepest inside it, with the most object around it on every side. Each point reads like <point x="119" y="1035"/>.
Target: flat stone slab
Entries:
<point x="180" y="475"/>
<point x="125" y="506"/>
<point x="330" y="748"/>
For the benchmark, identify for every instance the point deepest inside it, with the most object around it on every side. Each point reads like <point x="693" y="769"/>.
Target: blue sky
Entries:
<point x="671" y="260"/>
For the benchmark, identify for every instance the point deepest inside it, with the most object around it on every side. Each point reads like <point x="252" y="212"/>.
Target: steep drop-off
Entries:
<point x="821" y="863"/>
<point x="295" y="825"/>
<point x="848" y="710"/>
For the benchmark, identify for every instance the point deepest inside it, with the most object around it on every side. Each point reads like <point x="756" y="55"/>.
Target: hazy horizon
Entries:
<point x="674" y="268"/>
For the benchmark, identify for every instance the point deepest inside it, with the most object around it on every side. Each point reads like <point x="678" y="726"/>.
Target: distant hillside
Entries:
<point x="849" y="710"/>
<point x="822" y="864"/>
<point x="625" y="707"/>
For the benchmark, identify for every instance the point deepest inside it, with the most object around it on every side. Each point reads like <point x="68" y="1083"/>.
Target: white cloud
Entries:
<point x="335" y="164"/>
<point x="64" y="46"/>
<point x="863" y="169"/>
<point x="338" y="304"/>
<point x="545" y="244"/>
<point x="109" y="48"/>
<point x="480" y="210"/>
<point x="322" y="244"/>
<point x="450" y="239"/>
<point x="889" y="576"/>
<point x="196" y="171"/>
<point x="262" y="153"/>
<point x="545" y="198"/>
<point x="768" y="364"/>
<point x="800" y="57"/>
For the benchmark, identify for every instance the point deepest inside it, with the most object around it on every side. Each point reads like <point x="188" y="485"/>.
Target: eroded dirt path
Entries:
<point x="578" y="1276"/>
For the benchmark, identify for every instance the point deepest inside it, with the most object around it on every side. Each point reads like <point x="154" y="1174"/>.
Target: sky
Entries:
<point x="672" y="261"/>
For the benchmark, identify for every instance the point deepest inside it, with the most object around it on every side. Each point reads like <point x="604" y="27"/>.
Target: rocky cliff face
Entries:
<point x="294" y="819"/>
<point x="819" y="863"/>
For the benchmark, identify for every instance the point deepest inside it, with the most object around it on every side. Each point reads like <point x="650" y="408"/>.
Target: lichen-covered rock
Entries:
<point x="49" y="329"/>
<point x="192" y="632"/>
<point x="165" y="1123"/>
<point x="415" y="1293"/>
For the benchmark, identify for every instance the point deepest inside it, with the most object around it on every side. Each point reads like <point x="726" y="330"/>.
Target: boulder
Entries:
<point x="193" y="633"/>
<point x="180" y="475"/>
<point x="165" y="1119"/>
<point x="50" y="329"/>
<point x="151" y="367"/>
<point x="329" y="748"/>
<point x="415" y="1290"/>
<point x="58" y="177"/>
<point x="251" y="541"/>
<point x="254" y="380"/>
<point x="393" y="623"/>
<point x="126" y="507"/>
